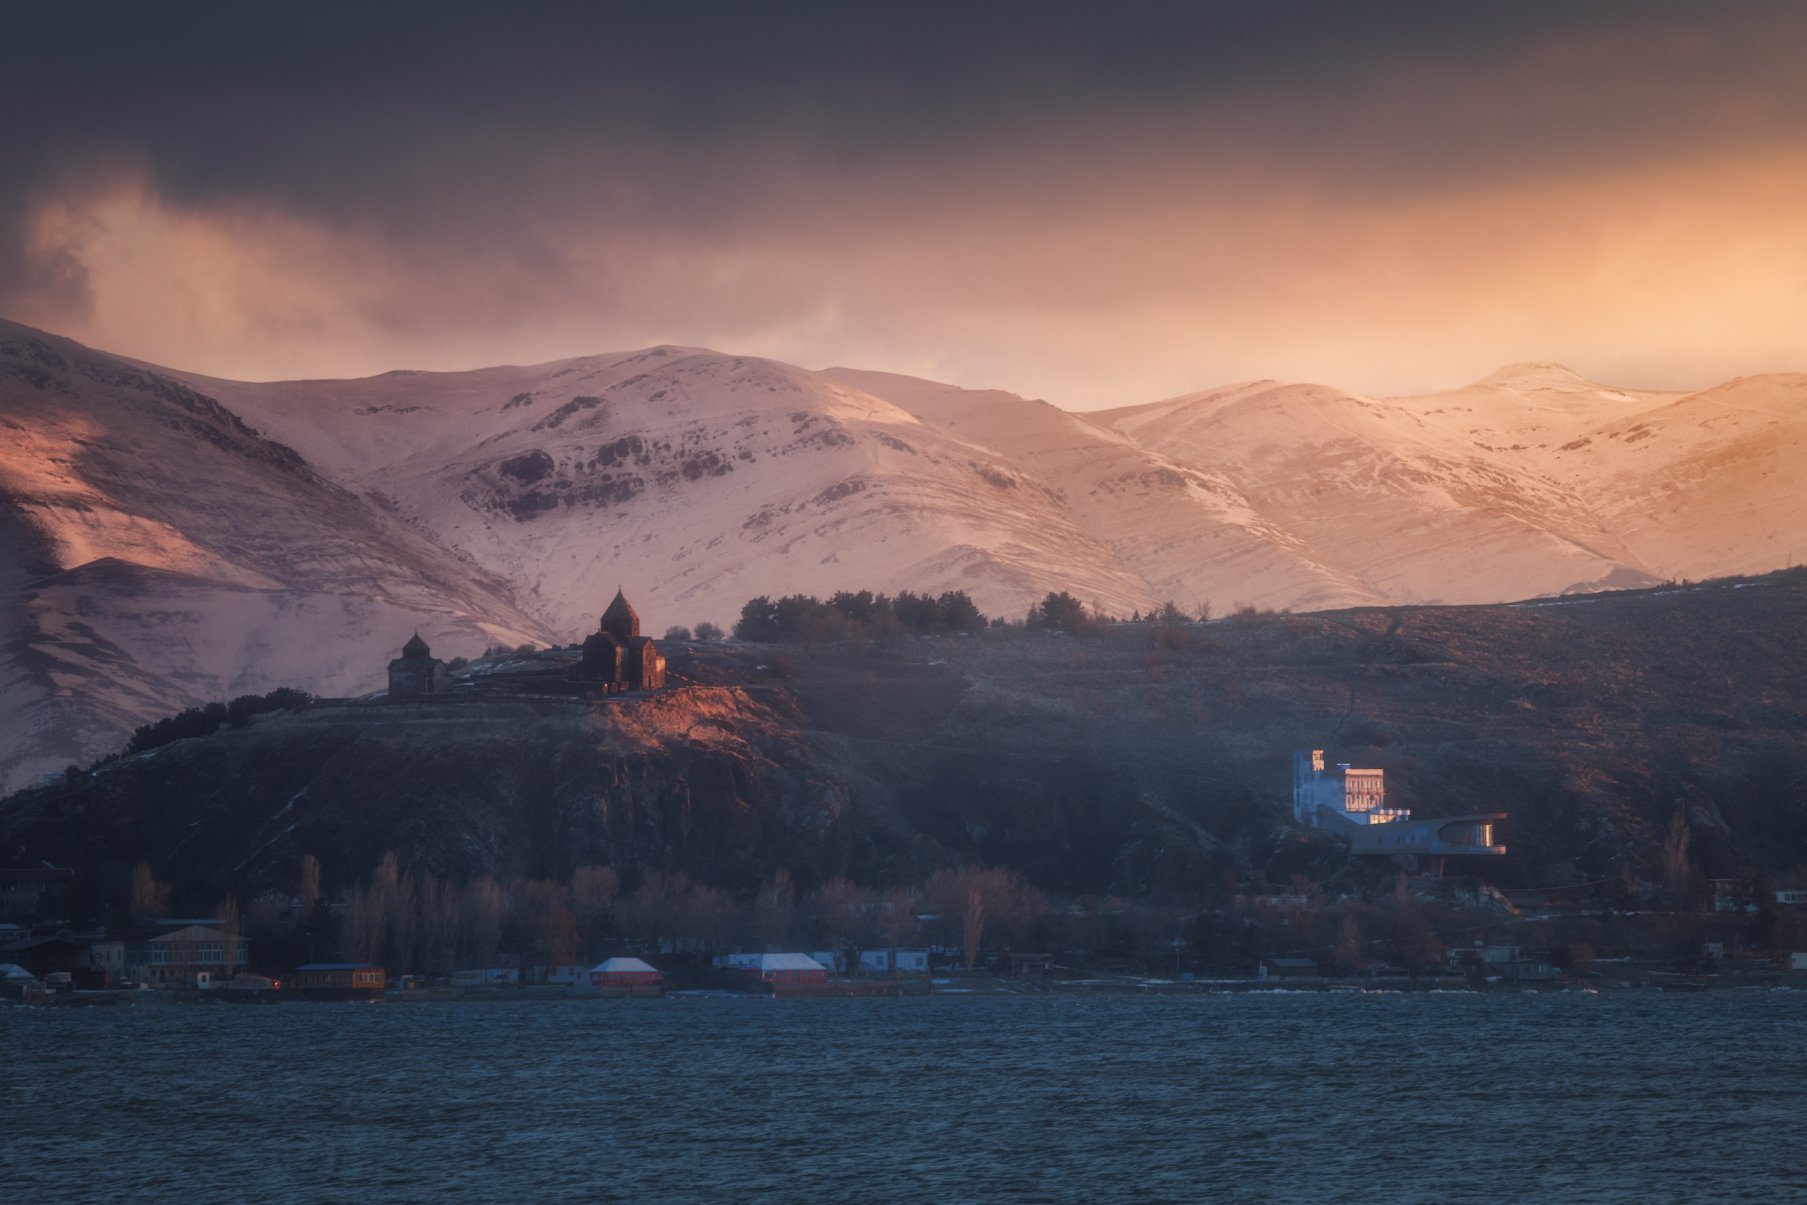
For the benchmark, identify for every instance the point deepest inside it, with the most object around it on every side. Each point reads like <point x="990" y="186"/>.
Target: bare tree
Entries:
<point x="231" y="927"/>
<point x="772" y="910"/>
<point x="310" y="884"/>
<point x="972" y="926"/>
<point x="835" y="911"/>
<point x="436" y="933"/>
<point x="558" y="931"/>
<point x="996" y="897"/>
<point x="483" y="919"/>
<point x="360" y="926"/>
<point x="149" y="897"/>
<point x="593" y="892"/>
<point x="393" y="914"/>
<point x="705" y="915"/>
<point x="1678" y="864"/>
<point x="651" y="913"/>
<point x="1348" y="945"/>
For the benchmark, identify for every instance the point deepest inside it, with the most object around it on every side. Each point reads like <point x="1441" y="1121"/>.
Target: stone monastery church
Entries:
<point x="417" y="672"/>
<point x="616" y="659"/>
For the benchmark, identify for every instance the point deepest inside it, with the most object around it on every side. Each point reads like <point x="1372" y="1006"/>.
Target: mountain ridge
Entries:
<point x="507" y="503"/>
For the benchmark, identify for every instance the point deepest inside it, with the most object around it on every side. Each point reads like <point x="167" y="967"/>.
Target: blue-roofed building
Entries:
<point x="338" y="980"/>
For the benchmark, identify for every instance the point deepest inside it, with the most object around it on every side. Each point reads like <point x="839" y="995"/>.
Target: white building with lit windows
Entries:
<point x="1353" y="802"/>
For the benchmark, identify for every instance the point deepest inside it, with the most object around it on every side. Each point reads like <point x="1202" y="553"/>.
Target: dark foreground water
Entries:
<point x="1322" y="1098"/>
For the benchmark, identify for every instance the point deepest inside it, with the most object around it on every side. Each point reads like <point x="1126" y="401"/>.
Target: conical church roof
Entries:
<point x="416" y="647"/>
<point x="620" y="620"/>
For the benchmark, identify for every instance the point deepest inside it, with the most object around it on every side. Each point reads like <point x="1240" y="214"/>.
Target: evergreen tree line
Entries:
<point x="863" y="615"/>
<point x="856" y="615"/>
<point x="204" y="721"/>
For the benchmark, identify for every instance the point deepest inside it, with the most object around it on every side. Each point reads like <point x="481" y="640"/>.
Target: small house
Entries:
<point x="338" y="980"/>
<point x="782" y="970"/>
<point x="624" y="972"/>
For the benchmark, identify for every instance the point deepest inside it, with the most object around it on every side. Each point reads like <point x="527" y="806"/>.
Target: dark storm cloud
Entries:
<point x="399" y="111"/>
<point x="500" y="132"/>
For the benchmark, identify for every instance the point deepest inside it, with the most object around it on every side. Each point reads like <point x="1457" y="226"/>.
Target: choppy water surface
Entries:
<point x="1047" y="1098"/>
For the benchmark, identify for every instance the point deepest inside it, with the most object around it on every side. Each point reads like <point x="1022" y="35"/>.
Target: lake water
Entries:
<point x="1256" y="1097"/>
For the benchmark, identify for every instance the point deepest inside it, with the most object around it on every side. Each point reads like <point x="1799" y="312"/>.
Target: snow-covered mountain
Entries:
<point x="1182" y="523"/>
<point x="167" y="538"/>
<point x="694" y="481"/>
<point x="155" y="553"/>
<point x="1409" y="500"/>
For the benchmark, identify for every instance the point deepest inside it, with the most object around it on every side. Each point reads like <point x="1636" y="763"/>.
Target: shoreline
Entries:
<point x="985" y="987"/>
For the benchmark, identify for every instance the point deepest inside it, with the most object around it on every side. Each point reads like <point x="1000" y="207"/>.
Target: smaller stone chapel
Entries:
<point x="617" y="657"/>
<point x="417" y="672"/>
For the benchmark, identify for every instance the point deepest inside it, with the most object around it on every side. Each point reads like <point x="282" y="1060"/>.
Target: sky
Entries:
<point x="1096" y="204"/>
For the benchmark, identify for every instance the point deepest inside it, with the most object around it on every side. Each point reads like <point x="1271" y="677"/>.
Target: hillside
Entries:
<point x="155" y="552"/>
<point x="1191" y="534"/>
<point x="1137" y="761"/>
<point x="693" y="480"/>
<point x="167" y="538"/>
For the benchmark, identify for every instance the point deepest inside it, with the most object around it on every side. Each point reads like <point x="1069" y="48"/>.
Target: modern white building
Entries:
<point x="1353" y="802"/>
<point x="1356" y="796"/>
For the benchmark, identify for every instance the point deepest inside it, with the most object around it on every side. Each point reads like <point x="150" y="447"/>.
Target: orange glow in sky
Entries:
<point x="1390" y="209"/>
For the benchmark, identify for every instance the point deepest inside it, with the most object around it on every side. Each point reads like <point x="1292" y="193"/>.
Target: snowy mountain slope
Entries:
<point x="1691" y="484"/>
<point x="1186" y="529"/>
<point x="1400" y="498"/>
<point x="156" y="550"/>
<point x="159" y="553"/>
<point x="1701" y="484"/>
<point x="694" y="481"/>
